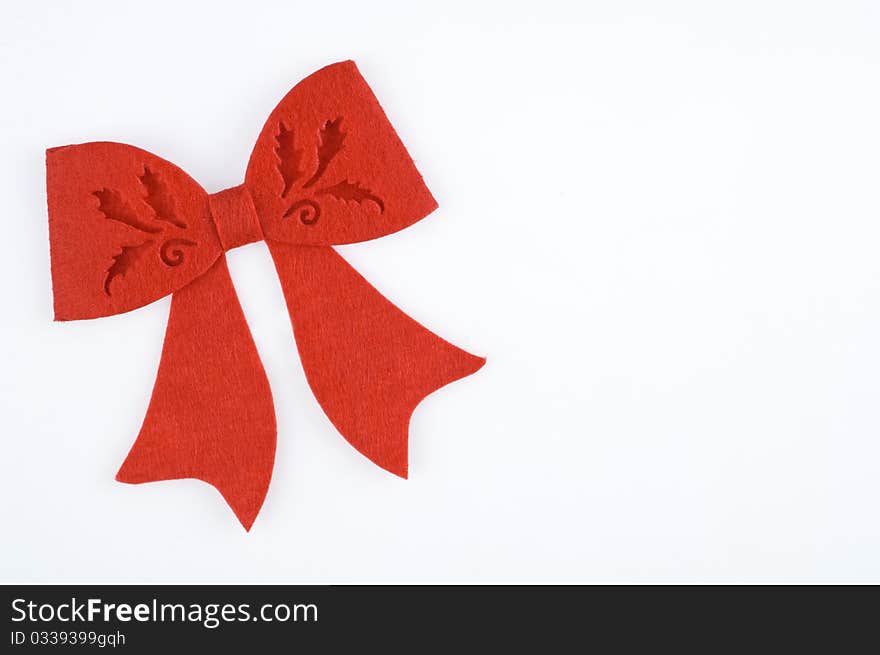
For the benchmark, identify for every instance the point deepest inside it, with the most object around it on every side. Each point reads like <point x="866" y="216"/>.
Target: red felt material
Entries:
<point x="211" y="415"/>
<point x="334" y="101"/>
<point x="84" y="240"/>
<point x="127" y="227"/>
<point x="367" y="362"/>
<point x="235" y="217"/>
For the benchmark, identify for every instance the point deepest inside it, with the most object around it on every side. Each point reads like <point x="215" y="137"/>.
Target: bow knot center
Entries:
<point x="235" y="217"/>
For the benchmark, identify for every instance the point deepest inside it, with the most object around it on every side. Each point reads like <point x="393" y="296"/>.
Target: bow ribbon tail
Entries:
<point x="211" y="415"/>
<point x="368" y="364"/>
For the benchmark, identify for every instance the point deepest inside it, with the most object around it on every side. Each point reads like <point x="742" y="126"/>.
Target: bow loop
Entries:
<point x="126" y="228"/>
<point x="328" y="167"/>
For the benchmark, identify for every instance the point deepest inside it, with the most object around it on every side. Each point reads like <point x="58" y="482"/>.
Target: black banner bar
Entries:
<point x="153" y="619"/>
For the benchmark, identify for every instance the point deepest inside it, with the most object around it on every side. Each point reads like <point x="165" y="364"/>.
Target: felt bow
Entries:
<point x="127" y="227"/>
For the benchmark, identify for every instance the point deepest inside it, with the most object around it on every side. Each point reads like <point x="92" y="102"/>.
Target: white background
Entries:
<point x="659" y="223"/>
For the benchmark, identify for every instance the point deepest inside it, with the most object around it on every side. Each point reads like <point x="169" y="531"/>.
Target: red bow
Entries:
<point x="127" y="227"/>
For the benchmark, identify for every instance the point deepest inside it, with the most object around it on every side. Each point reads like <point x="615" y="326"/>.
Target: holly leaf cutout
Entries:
<point x="123" y="261"/>
<point x="331" y="138"/>
<point x="116" y="208"/>
<point x="289" y="157"/>
<point x="353" y="192"/>
<point x="159" y="198"/>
